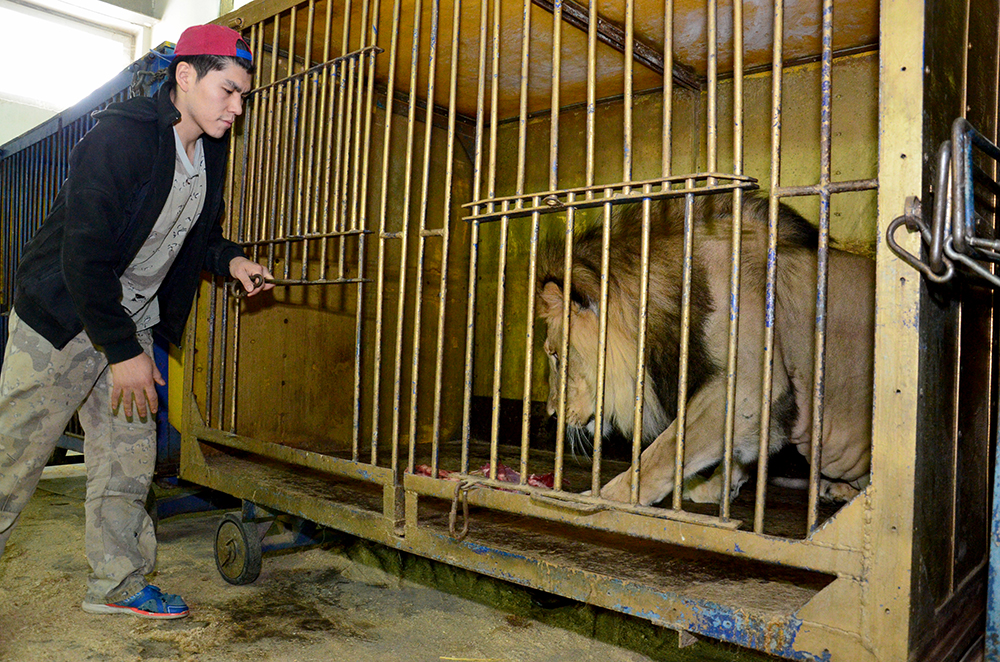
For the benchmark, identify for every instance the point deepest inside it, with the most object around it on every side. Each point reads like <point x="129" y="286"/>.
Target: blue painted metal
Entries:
<point x="292" y="532"/>
<point x="192" y="501"/>
<point x="993" y="581"/>
<point x="168" y="439"/>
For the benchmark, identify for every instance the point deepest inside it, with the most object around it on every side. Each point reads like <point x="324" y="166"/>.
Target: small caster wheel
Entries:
<point x="237" y="550"/>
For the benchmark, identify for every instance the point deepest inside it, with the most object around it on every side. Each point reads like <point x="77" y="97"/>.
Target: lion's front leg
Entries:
<point x="702" y="444"/>
<point x="656" y="479"/>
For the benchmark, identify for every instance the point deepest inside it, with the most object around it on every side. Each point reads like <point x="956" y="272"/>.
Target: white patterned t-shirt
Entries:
<point x="144" y="275"/>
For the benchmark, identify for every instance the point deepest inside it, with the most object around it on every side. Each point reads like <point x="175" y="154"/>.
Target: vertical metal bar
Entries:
<point x="329" y="152"/>
<point x="591" y="94"/>
<point x="289" y="126"/>
<point x="380" y="280"/>
<point x="767" y="377"/>
<point x="404" y="232"/>
<point x="273" y="143"/>
<point x="736" y="257"/>
<point x="640" y="359"/>
<point x="362" y="239"/>
<point x="446" y="229"/>
<point x="422" y="223"/>
<point x="597" y="452"/>
<point x="712" y="65"/>
<point x="602" y="354"/>
<point x="323" y="146"/>
<point x="668" y="88"/>
<point x="306" y="120"/>
<point x="477" y="175"/>
<point x="253" y="143"/>
<point x="529" y="342"/>
<point x="245" y="176"/>
<point x="363" y="37"/>
<point x="501" y="291"/>
<point x="343" y="140"/>
<point x="210" y="380"/>
<point x="563" y="364"/>
<point x="529" y="355"/>
<point x="228" y="230"/>
<point x="556" y="82"/>
<point x="680" y="422"/>
<point x="223" y="353"/>
<point x="822" y="266"/>
<point x="308" y="189"/>
<point x="504" y="237"/>
<point x="629" y="59"/>
<point x="494" y="106"/>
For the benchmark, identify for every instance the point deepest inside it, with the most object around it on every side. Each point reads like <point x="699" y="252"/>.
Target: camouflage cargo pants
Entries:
<point x="40" y="389"/>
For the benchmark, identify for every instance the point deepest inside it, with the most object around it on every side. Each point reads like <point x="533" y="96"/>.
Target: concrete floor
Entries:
<point x="350" y="600"/>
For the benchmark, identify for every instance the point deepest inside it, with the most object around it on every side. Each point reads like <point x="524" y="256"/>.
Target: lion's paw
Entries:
<point x="618" y="488"/>
<point x="703" y="490"/>
<point x="837" y="492"/>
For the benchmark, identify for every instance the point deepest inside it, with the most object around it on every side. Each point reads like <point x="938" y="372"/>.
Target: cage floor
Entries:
<point x="665" y="574"/>
<point x="785" y="508"/>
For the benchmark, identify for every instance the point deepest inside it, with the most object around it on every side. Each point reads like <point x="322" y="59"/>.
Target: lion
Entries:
<point x="846" y="435"/>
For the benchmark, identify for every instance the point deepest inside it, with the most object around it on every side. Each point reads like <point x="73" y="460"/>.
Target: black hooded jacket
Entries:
<point x="119" y="178"/>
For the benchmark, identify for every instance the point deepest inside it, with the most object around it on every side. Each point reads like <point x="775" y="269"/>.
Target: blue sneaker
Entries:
<point x="150" y="602"/>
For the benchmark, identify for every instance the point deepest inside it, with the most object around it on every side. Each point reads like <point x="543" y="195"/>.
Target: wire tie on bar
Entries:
<point x="461" y="493"/>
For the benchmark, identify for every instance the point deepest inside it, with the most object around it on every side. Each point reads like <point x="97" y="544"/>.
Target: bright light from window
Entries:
<point x="57" y="60"/>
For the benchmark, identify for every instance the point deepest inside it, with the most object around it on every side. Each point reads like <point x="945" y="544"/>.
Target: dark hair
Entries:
<point x="203" y="64"/>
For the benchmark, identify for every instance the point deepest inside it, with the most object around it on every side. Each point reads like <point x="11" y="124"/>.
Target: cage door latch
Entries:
<point x="958" y="234"/>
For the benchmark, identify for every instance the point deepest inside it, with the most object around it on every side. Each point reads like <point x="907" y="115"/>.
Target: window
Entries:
<point x="53" y="59"/>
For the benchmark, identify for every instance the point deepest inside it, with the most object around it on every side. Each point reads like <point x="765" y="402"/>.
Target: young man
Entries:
<point x="119" y="256"/>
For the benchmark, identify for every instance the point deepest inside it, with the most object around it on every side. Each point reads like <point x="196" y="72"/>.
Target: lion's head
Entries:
<point x="582" y="367"/>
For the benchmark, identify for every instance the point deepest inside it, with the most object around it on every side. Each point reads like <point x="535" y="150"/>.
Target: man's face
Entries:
<point x="214" y="100"/>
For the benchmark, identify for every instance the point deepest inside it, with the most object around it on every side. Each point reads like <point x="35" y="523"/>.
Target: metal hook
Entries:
<point x="461" y="492"/>
<point x="914" y="224"/>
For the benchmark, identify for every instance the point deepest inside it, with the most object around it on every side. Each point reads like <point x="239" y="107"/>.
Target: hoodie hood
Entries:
<point x="145" y="109"/>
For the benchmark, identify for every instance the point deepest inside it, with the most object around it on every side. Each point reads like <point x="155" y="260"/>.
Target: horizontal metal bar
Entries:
<point x="613" y="35"/>
<point x="552" y="204"/>
<point x="548" y="196"/>
<point x="356" y="55"/>
<point x="304" y="237"/>
<point x="985" y="179"/>
<point x="992" y="245"/>
<point x="833" y="187"/>
<point x="296" y="456"/>
<point x="682" y="530"/>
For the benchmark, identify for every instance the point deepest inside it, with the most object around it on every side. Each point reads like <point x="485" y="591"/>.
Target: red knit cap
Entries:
<point x="212" y="40"/>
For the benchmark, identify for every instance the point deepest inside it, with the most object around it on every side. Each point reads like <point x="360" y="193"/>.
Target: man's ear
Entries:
<point x="186" y="75"/>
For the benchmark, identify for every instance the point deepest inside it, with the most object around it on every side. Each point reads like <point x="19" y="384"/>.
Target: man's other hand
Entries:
<point x="133" y="380"/>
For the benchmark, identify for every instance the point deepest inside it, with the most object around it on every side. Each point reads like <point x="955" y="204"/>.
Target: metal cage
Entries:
<point x="398" y="169"/>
